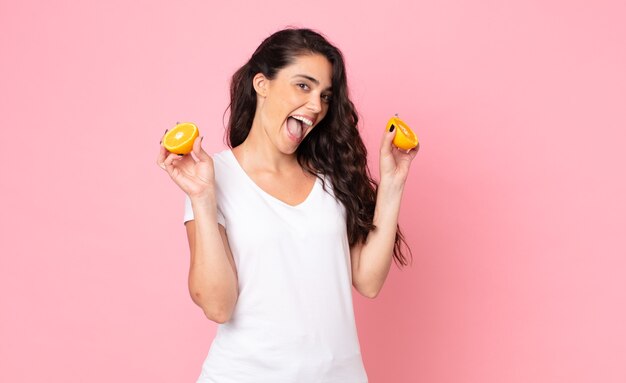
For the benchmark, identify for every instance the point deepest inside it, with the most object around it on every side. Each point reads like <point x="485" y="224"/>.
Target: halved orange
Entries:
<point x="405" y="138"/>
<point x="179" y="140"/>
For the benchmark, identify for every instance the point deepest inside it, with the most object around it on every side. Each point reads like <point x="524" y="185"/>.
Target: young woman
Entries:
<point x="281" y="226"/>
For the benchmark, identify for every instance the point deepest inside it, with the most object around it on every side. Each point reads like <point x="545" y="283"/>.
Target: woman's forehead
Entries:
<point x="315" y="68"/>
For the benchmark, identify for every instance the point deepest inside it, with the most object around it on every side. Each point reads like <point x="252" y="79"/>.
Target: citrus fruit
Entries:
<point x="405" y="138"/>
<point x="179" y="140"/>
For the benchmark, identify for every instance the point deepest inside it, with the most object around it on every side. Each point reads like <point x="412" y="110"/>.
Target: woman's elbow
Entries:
<point x="214" y="311"/>
<point x="217" y="313"/>
<point x="217" y="317"/>
<point x="370" y="293"/>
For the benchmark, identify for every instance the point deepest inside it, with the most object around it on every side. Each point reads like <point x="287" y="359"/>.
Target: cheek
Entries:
<point x="324" y="111"/>
<point x="277" y="110"/>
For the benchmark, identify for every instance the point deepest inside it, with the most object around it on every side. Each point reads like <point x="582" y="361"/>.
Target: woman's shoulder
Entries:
<point x="223" y="164"/>
<point x="220" y="153"/>
<point x="221" y="157"/>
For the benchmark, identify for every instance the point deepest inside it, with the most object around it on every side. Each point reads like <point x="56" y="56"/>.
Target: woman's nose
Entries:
<point x="315" y="104"/>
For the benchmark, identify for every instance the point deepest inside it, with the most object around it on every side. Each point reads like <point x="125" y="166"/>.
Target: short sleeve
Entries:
<point x="189" y="212"/>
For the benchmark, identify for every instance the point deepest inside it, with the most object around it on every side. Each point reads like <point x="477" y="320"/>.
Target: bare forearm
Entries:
<point x="377" y="252"/>
<point x="212" y="280"/>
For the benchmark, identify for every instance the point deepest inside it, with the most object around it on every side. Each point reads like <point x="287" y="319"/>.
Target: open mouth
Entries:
<point x="297" y="125"/>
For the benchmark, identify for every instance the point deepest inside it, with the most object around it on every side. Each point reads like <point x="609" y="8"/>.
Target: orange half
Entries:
<point x="405" y="138"/>
<point x="179" y="140"/>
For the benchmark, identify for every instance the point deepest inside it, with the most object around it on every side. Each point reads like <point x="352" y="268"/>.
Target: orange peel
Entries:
<point x="405" y="138"/>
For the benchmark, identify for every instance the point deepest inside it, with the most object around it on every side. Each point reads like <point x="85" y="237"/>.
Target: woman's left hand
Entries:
<point x="394" y="162"/>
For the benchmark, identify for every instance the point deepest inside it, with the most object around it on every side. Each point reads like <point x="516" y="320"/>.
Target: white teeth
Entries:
<point x="303" y="119"/>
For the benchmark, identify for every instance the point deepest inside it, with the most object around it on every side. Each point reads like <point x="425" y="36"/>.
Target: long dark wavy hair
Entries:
<point x="334" y="147"/>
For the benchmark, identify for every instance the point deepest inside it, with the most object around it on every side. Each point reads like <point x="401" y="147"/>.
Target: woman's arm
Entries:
<point x="371" y="260"/>
<point x="212" y="272"/>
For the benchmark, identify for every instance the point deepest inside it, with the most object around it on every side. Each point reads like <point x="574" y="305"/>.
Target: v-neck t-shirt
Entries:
<point x="294" y="318"/>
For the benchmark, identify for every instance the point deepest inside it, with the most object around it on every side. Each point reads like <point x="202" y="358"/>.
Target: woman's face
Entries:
<point x="295" y="101"/>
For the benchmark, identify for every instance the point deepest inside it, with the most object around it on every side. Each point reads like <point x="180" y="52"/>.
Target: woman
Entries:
<point x="281" y="226"/>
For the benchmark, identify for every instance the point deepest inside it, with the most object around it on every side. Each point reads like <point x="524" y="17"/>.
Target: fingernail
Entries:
<point x="392" y="127"/>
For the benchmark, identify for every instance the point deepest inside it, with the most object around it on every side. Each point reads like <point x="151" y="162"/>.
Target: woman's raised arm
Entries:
<point x="213" y="281"/>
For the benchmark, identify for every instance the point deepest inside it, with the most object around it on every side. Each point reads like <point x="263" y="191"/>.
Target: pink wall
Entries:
<point x="515" y="209"/>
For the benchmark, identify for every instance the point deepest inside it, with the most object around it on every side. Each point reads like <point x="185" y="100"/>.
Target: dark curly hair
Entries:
<point x="334" y="147"/>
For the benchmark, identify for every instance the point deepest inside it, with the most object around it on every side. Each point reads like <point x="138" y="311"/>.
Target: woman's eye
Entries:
<point x="326" y="98"/>
<point x="303" y="86"/>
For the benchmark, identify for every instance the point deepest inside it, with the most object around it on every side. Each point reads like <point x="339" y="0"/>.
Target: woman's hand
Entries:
<point x="394" y="162"/>
<point x="192" y="172"/>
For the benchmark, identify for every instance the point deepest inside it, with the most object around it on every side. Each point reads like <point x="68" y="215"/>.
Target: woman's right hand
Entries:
<point x="192" y="172"/>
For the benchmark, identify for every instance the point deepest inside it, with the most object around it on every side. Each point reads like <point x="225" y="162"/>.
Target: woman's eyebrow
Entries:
<point x="312" y="79"/>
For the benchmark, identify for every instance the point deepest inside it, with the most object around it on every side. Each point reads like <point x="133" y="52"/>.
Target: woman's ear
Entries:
<point x="259" y="81"/>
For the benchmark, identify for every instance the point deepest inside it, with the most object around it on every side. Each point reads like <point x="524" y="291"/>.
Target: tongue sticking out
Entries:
<point x="294" y="127"/>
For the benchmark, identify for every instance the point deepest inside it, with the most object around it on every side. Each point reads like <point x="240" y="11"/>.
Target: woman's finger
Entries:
<point x="169" y="161"/>
<point x="411" y="153"/>
<point x="197" y="150"/>
<point x="386" y="145"/>
<point x="162" y="156"/>
<point x="162" y="152"/>
<point x="194" y="149"/>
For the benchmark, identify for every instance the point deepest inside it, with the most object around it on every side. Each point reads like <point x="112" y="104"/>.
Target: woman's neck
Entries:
<point x="258" y="153"/>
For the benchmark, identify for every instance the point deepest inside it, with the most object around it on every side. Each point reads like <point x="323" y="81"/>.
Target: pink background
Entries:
<point x="515" y="207"/>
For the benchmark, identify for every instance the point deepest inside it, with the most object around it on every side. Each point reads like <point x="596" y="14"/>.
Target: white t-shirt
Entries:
<point x="294" y="319"/>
